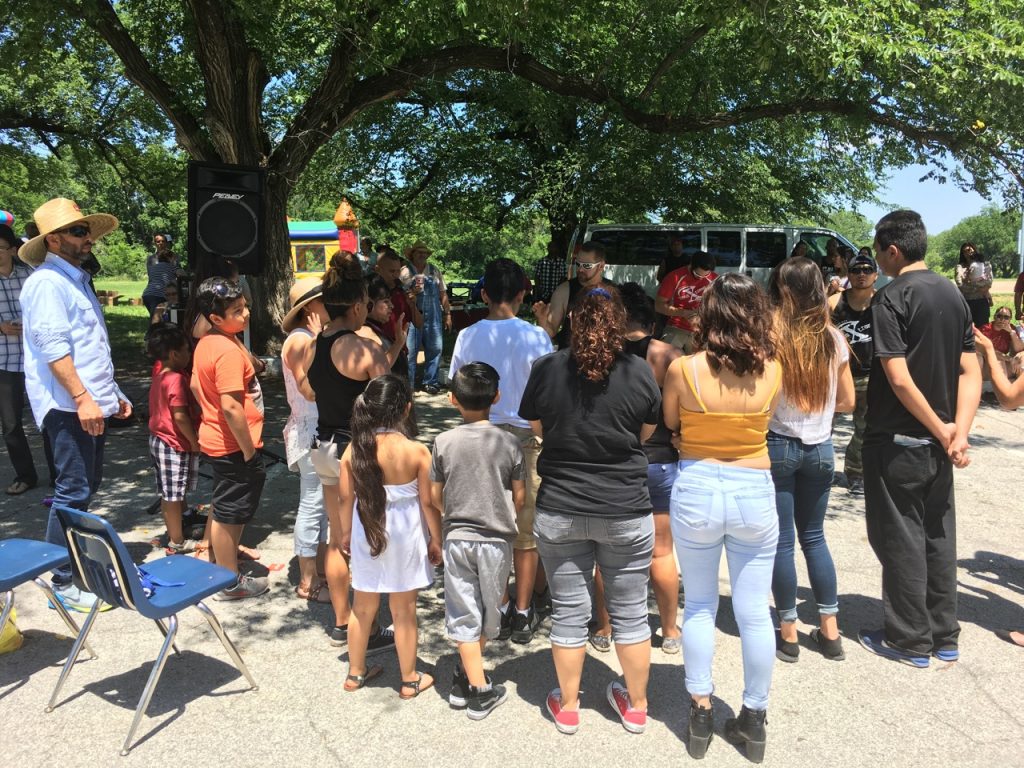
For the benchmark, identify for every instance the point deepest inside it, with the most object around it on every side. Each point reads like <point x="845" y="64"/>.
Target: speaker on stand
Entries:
<point x="225" y="215"/>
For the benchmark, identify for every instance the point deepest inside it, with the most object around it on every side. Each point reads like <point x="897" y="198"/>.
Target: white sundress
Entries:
<point x="300" y="428"/>
<point x="403" y="565"/>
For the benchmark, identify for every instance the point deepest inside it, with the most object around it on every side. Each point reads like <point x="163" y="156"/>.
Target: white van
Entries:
<point x="634" y="251"/>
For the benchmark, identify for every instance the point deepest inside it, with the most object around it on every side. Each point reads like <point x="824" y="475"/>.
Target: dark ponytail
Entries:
<point x="343" y="285"/>
<point x="381" y="406"/>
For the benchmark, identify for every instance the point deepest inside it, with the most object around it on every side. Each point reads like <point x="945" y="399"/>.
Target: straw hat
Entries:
<point x="303" y="292"/>
<point x="57" y="214"/>
<point x="419" y="245"/>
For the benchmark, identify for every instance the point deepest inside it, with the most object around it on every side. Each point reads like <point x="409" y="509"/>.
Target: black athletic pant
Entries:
<point x="12" y="403"/>
<point x="911" y="521"/>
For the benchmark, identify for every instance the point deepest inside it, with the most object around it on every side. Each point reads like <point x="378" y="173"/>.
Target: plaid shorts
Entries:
<point x="177" y="472"/>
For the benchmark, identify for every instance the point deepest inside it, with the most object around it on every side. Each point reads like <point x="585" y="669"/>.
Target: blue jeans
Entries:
<point x="78" y="458"/>
<point x="712" y="506"/>
<point x="803" y="478"/>
<point x="570" y="546"/>
<point x="429" y="338"/>
<point x="310" y="517"/>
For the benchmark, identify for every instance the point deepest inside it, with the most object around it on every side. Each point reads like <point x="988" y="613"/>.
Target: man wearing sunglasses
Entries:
<point x="553" y="317"/>
<point x="851" y="312"/>
<point x="69" y="375"/>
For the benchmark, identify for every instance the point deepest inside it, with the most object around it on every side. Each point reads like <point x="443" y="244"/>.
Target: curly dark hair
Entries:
<point x="638" y="305"/>
<point x="382" y="405"/>
<point x="736" y="326"/>
<point x="598" y="327"/>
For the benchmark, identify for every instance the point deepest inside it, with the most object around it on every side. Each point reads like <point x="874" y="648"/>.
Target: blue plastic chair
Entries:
<point x="24" y="560"/>
<point x="101" y="564"/>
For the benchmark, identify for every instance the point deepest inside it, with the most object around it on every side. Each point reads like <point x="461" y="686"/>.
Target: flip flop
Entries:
<point x="355" y="682"/>
<point x="18" y="487"/>
<point x="318" y="594"/>
<point x="423" y="682"/>
<point x="248" y="553"/>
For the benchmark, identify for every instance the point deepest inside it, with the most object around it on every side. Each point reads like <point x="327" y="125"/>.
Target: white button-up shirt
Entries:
<point x="62" y="317"/>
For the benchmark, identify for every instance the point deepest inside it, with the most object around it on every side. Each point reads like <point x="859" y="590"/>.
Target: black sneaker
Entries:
<point x="856" y="486"/>
<point x="482" y="703"/>
<point x="339" y="636"/>
<point x="786" y="651"/>
<point x="523" y="626"/>
<point x="382" y="640"/>
<point x="432" y="389"/>
<point x="505" y="630"/>
<point x="458" y="696"/>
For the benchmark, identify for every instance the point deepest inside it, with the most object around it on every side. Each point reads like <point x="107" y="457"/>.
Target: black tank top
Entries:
<point x="335" y="392"/>
<point x="856" y="326"/>
<point x="658" y="448"/>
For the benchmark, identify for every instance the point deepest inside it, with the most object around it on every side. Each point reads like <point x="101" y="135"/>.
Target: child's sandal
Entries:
<point x="355" y="682"/>
<point x="419" y="685"/>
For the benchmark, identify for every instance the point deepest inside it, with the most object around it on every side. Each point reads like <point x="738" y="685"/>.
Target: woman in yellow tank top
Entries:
<point x="721" y="400"/>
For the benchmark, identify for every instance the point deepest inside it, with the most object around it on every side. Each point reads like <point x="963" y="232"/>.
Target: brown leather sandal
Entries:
<point x="355" y="682"/>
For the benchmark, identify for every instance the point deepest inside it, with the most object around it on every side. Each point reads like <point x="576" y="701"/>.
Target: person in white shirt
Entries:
<point x="69" y="374"/>
<point x="510" y="346"/>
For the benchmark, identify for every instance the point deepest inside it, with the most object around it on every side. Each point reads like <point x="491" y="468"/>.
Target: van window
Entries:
<point x="765" y="249"/>
<point x="310" y="258"/>
<point x="642" y="247"/>
<point x="725" y="247"/>
<point x="817" y="244"/>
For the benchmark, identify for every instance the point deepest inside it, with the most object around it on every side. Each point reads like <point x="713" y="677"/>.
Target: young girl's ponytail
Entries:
<point x="380" y="407"/>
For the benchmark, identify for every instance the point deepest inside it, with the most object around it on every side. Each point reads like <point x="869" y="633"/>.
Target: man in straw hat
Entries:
<point x="69" y="375"/>
<point x="427" y="282"/>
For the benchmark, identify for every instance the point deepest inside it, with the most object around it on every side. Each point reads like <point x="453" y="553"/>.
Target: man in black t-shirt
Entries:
<point x="923" y="392"/>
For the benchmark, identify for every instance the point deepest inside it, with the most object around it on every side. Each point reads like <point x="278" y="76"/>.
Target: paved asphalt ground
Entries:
<point x="864" y="711"/>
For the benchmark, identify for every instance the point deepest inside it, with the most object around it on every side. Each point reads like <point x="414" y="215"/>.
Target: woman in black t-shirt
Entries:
<point x="594" y="405"/>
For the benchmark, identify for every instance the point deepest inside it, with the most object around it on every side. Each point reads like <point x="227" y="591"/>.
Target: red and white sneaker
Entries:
<point x="633" y="720"/>
<point x="565" y="721"/>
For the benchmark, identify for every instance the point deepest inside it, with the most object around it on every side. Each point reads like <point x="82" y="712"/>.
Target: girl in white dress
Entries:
<point x="389" y="527"/>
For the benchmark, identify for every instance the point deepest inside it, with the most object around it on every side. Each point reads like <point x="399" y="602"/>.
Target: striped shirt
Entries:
<point x="11" y="356"/>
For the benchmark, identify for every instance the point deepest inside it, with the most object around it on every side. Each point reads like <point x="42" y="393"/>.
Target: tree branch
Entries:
<point x="683" y="49"/>
<point x="101" y="16"/>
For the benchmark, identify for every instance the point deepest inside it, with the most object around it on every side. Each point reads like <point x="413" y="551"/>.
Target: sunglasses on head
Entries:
<point x="862" y="271"/>
<point x="78" y="230"/>
<point x="586" y="264"/>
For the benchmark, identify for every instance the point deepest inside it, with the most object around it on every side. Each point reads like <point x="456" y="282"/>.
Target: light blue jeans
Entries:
<point x="714" y="505"/>
<point x="310" y="517"/>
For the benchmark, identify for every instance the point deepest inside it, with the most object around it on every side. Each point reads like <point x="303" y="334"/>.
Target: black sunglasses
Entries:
<point x="862" y="271"/>
<point x="1002" y="317"/>
<point x="78" y="230"/>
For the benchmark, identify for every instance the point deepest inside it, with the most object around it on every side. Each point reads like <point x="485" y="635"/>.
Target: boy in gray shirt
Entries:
<point x="477" y="482"/>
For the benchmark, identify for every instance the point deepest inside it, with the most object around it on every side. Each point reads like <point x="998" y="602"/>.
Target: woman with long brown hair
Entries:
<point x="720" y="400"/>
<point x="594" y="404"/>
<point x="388" y="525"/>
<point x="816" y="383"/>
<point x="342" y="365"/>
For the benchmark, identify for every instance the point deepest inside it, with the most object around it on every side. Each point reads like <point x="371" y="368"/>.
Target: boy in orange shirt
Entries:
<point x="224" y="384"/>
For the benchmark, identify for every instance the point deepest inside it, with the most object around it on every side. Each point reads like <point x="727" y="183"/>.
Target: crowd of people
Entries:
<point x="593" y="456"/>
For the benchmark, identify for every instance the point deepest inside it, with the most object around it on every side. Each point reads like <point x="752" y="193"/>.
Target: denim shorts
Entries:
<point x="660" y="479"/>
<point x="570" y="546"/>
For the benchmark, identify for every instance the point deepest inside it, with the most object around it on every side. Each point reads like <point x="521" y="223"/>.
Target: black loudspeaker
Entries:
<point x="225" y="214"/>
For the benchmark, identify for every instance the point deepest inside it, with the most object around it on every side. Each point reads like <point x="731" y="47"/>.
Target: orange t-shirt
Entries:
<point x="220" y="366"/>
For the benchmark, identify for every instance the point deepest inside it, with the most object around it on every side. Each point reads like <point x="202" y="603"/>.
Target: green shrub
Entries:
<point x="119" y="259"/>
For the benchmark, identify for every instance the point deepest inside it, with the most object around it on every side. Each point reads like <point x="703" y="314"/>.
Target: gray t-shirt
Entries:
<point x="477" y="463"/>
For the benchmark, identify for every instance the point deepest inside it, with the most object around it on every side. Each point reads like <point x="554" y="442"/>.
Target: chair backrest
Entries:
<point x="99" y="559"/>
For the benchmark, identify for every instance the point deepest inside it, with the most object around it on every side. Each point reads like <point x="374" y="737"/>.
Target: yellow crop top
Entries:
<point x="708" y="435"/>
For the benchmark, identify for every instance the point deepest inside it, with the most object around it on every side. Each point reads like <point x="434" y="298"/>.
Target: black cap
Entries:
<point x="860" y="259"/>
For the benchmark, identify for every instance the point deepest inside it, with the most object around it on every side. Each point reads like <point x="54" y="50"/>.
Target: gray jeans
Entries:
<point x="570" y="546"/>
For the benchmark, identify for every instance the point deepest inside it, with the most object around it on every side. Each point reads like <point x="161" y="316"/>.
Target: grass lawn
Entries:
<point x="127" y="327"/>
<point x="130" y="288"/>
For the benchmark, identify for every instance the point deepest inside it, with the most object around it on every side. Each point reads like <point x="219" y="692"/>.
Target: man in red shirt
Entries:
<point x="679" y="297"/>
<point x="389" y="266"/>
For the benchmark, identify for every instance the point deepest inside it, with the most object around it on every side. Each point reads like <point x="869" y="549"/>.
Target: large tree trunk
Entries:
<point x="270" y="289"/>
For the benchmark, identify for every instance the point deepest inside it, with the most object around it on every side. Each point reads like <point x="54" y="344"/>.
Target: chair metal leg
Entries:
<point x="154" y="676"/>
<point x="8" y="607"/>
<point x="75" y="650"/>
<point x="163" y="631"/>
<point x="228" y="645"/>
<point x="63" y="613"/>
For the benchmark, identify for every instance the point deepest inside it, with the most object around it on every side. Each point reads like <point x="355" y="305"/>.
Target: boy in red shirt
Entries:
<point x="225" y="386"/>
<point x="679" y="297"/>
<point x="173" y="444"/>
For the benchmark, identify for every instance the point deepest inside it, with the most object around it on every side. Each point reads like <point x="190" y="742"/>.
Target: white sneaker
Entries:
<point x="75" y="599"/>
